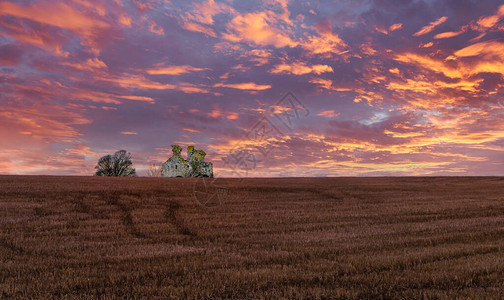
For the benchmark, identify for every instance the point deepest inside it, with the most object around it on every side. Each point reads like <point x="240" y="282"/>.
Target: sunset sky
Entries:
<point x="338" y="88"/>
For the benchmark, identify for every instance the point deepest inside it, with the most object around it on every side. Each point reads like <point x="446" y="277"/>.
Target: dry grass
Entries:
<point x="88" y="237"/>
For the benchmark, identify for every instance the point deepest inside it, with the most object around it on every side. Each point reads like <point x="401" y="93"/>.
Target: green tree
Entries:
<point x="118" y="164"/>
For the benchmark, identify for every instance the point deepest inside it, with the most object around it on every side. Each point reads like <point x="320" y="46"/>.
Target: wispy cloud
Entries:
<point x="432" y="25"/>
<point x="173" y="70"/>
<point x="300" y="68"/>
<point x="244" y="86"/>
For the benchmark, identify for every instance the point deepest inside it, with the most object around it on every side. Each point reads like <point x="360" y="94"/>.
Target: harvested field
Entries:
<point x="90" y="237"/>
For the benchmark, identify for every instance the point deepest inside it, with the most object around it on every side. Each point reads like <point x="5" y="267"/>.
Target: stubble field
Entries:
<point x="89" y="237"/>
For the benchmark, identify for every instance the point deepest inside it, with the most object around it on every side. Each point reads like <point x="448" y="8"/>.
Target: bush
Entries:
<point x="118" y="164"/>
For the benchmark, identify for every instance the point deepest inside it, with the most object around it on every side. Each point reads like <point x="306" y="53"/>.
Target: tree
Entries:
<point x="154" y="171"/>
<point x="118" y="164"/>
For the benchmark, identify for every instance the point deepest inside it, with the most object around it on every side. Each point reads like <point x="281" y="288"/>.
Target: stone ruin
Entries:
<point x="194" y="166"/>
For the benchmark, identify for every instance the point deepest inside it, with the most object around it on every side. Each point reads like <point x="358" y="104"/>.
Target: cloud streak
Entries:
<point x="429" y="28"/>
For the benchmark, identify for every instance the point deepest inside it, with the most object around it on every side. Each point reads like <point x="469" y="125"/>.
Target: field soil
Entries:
<point x="365" y="238"/>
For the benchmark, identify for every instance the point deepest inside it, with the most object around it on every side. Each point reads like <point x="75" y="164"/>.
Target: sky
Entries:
<point x="265" y="88"/>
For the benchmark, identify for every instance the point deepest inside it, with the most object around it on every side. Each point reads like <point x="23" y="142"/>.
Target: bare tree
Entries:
<point x="154" y="171"/>
<point x="118" y="164"/>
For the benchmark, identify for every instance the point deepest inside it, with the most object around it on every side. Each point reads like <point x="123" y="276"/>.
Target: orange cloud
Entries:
<point x="35" y="37"/>
<point x="81" y="149"/>
<point x="395" y="27"/>
<point x="326" y="42"/>
<point x="191" y="130"/>
<point x="260" y="52"/>
<point x="255" y="28"/>
<point x="450" y="34"/>
<point x="285" y="15"/>
<point x="490" y="54"/>
<point x="204" y="12"/>
<point x="138" y="98"/>
<point x="432" y="86"/>
<point x="325" y="83"/>
<point x="489" y="50"/>
<point x="490" y="21"/>
<point x="90" y="65"/>
<point x="486" y="23"/>
<point x="261" y="56"/>
<point x="215" y="113"/>
<point x="232" y="116"/>
<point x="380" y="29"/>
<point x="129" y="133"/>
<point x="300" y="68"/>
<point x="430" y="27"/>
<point x="367" y="49"/>
<point x="93" y="96"/>
<point x="53" y="13"/>
<point x="60" y="15"/>
<point x="82" y="94"/>
<point x="142" y="6"/>
<point x="125" y="21"/>
<point x="173" y="70"/>
<point x="328" y="114"/>
<point x="40" y="159"/>
<point x="140" y="82"/>
<point x="155" y="28"/>
<point x="96" y="5"/>
<point x="245" y="86"/>
<point x="328" y="85"/>
<point x="44" y="122"/>
<point x="71" y="93"/>
<point x="429" y="63"/>
<point x="199" y="28"/>
<point x="202" y="15"/>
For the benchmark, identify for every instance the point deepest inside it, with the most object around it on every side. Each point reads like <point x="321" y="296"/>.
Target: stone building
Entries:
<point x="194" y="166"/>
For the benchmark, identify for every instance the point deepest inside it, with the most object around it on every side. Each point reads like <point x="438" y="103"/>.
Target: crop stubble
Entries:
<point x="402" y="237"/>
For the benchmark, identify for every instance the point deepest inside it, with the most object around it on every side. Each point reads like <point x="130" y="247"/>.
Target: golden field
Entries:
<point x="320" y="238"/>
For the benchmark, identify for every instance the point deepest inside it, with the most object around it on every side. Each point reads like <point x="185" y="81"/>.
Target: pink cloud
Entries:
<point x="328" y="114"/>
<point x="191" y="130"/>
<point x="204" y="12"/>
<point x="244" y="86"/>
<point x="61" y="15"/>
<point x="257" y="28"/>
<point x="140" y="82"/>
<point x="300" y="68"/>
<point x="42" y="122"/>
<point x="90" y="65"/>
<point x="199" y="28"/>
<point x="160" y="69"/>
<point x="155" y="28"/>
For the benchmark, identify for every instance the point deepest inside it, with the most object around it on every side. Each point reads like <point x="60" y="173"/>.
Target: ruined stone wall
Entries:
<point x="194" y="166"/>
